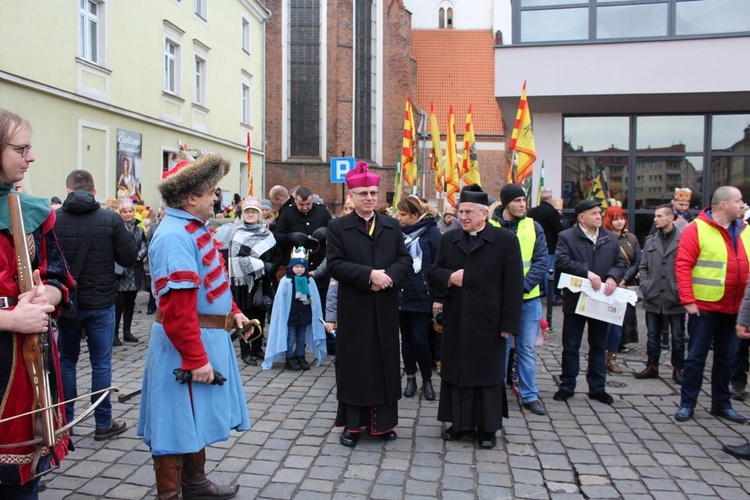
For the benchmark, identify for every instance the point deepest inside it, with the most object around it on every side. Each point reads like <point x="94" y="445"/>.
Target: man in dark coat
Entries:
<point x="368" y="258"/>
<point x="479" y="273"/>
<point x="548" y="217"/>
<point x="97" y="292"/>
<point x="589" y="251"/>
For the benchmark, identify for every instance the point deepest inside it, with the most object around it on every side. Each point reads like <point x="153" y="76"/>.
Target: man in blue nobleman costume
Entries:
<point x="178" y="419"/>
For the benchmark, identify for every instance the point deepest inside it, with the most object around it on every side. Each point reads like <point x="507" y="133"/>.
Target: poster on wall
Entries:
<point x="128" y="164"/>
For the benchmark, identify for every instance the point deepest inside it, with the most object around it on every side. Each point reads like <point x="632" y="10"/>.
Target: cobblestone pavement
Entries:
<point x="580" y="449"/>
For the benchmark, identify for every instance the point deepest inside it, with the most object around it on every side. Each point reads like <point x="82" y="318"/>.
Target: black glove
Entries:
<point x="320" y="233"/>
<point x="267" y="268"/>
<point x="183" y="376"/>
<point x="298" y="239"/>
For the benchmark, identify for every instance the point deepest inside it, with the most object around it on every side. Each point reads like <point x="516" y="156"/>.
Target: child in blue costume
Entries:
<point x="294" y="320"/>
<point x="190" y="332"/>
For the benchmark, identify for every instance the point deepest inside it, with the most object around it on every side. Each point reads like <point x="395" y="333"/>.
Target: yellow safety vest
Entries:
<point x="527" y="238"/>
<point x="710" y="270"/>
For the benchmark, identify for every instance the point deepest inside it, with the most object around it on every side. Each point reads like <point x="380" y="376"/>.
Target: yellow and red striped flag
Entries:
<point x="437" y="152"/>
<point x="408" y="147"/>
<point x="522" y="140"/>
<point x="249" y="167"/>
<point x="469" y="161"/>
<point x="451" y="161"/>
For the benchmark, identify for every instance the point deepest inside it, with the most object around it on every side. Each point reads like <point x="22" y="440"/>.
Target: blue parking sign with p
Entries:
<point x="339" y="168"/>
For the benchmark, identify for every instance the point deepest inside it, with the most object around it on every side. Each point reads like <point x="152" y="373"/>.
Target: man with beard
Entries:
<point x="477" y="270"/>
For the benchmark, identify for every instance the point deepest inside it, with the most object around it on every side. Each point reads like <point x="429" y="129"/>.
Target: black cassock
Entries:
<point x="368" y="359"/>
<point x="472" y="394"/>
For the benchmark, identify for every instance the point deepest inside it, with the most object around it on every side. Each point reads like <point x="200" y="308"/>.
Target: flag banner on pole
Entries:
<point x="600" y="190"/>
<point x="437" y="152"/>
<point x="249" y="167"/>
<point x="522" y="140"/>
<point x="451" y="161"/>
<point x="397" y="181"/>
<point x="540" y="187"/>
<point x="509" y="171"/>
<point x="469" y="161"/>
<point x="408" y="147"/>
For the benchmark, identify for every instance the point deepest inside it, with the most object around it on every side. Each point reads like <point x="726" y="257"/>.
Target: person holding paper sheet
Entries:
<point x="589" y="251"/>
<point x="712" y="269"/>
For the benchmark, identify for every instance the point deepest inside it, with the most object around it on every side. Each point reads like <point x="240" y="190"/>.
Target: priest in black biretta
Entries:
<point x="478" y="274"/>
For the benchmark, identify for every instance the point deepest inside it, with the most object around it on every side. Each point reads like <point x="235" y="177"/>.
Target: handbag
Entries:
<point x="260" y="299"/>
<point x="70" y="315"/>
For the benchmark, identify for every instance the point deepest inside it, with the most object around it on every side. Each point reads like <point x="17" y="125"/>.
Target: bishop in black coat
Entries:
<point x="368" y="358"/>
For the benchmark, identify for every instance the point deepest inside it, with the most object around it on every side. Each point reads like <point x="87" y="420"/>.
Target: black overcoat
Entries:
<point x="489" y="302"/>
<point x="368" y="359"/>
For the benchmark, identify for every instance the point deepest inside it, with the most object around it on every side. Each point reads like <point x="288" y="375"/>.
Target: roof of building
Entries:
<point x="469" y="80"/>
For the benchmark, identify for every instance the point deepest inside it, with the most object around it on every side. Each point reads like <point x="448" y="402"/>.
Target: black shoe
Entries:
<point x="740" y="451"/>
<point x="602" y="397"/>
<point x="292" y="364"/>
<point x="563" y="395"/>
<point x="427" y="391"/>
<point x="535" y="407"/>
<point x="116" y="342"/>
<point x="129" y="337"/>
<point x="303" y="364"/>
<point x="486" y="440"/>
<point x="249" y="359"/>
<point x="450" y="434"/>
<point x="349" y="439"/>
<point x="730" y="415"/>
<point x="149" y="312"/>
<point x="258" y="354"/>
<point x="651" y="371"/>
<point x="411" y="387"/>
<point x="623" y="349"/>
<point x="677" y="375"/>
<point x="389" y="436"/>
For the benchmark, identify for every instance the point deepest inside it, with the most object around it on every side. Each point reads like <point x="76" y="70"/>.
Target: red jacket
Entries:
<point x="737" y="267"/>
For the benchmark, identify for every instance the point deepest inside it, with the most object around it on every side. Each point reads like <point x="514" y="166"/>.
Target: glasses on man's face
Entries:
<point x="24" y="150"/>
<point x="364" y="194"/>
<point x="467" y="212"/>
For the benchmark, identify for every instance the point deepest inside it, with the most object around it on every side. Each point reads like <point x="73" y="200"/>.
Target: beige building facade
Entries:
<point x="116" y="87"/>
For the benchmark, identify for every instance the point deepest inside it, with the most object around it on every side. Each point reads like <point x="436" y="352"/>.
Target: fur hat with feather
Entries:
<point x="191" y="176"/>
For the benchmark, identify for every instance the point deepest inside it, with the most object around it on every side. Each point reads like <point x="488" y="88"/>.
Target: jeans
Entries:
<point x="100" y="331"/>
<point x="415" y="345"/>
<point x="572" y="335"/>
<point x="702" y="329"/>
<point x="296" y="335"/>
<point x="614" y="332"/>
<point x="742" y="364"/>
<point x="531" y="315"/>
<point x="654" y="325"/>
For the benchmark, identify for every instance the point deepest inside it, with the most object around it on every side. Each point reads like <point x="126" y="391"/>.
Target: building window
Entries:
<point x="365" y="96"/>
<point x="543" y="21"/>
<point x="449" y="18"/>
<point x="445" y="15"/>
<point x="171" y="66"/>
<point x="667" y="151"/>
<point x="245" y="103"/>
<point x="90" y="30"/>
<point x="200" y="8"/>
<point x="199" y="80"/>
<point x="246" y="35"/>
<point x="304" y="78"/>
<point x="441" y="18"/>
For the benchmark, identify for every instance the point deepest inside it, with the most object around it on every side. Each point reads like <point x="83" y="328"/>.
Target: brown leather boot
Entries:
<point x="195" y="484"/>
<point x="612" y="363"/>
<point x="168" y="470"/>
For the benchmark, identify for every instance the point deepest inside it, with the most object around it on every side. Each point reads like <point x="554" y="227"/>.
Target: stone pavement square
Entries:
<point x="580" y="449"/>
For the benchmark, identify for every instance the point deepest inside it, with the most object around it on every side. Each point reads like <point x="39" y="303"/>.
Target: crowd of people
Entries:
<point x="416" y="291"/>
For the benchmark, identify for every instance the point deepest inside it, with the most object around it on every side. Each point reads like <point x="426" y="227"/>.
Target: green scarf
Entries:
<point x="302" y="289"/>
<point x="35" y="210"/>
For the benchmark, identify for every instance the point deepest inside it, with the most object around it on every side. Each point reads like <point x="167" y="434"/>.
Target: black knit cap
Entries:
<point x="510" y="192"/>
<point x="474" y="194"/>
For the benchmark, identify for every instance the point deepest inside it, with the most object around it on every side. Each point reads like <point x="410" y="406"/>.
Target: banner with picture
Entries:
<point x="128" y="164"/>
